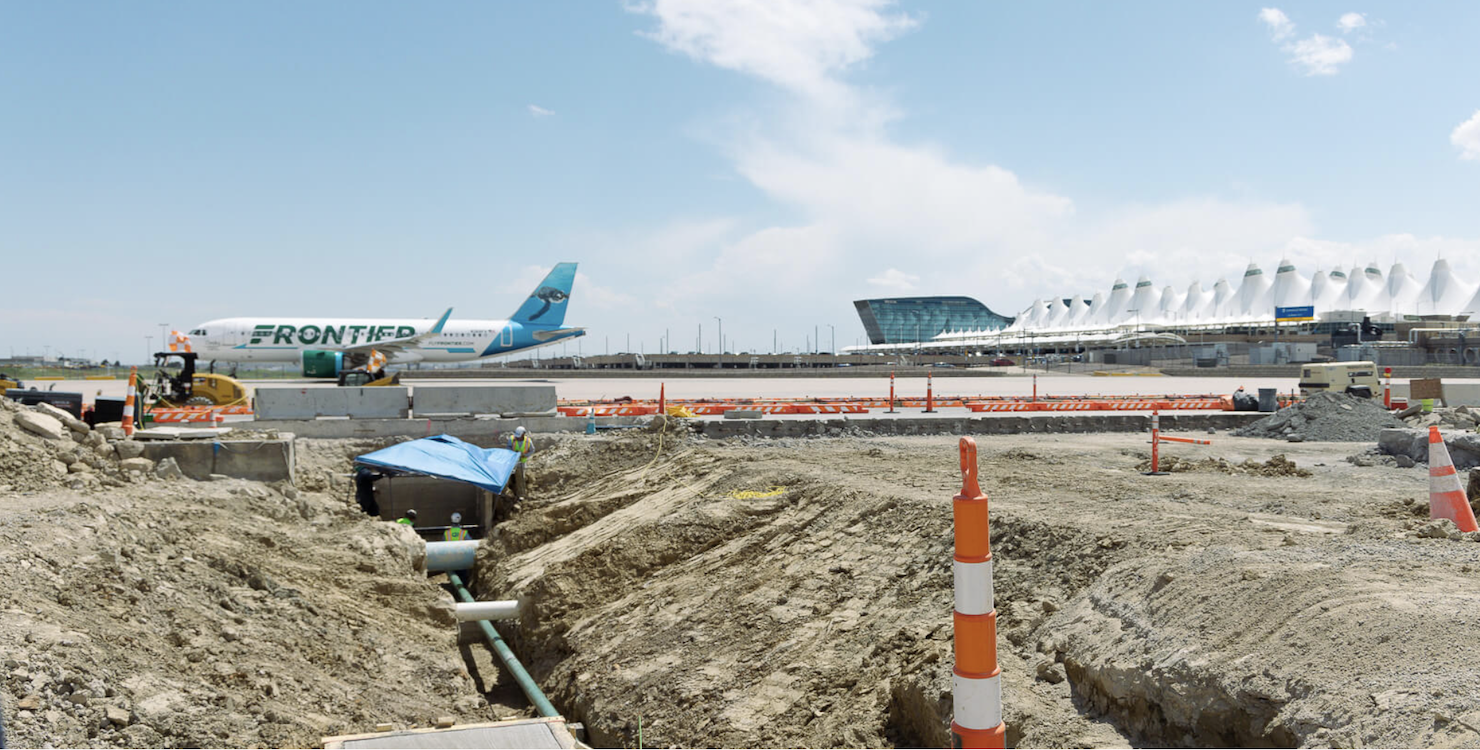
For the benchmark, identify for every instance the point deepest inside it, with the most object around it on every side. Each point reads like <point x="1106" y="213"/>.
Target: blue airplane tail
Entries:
<point x="546" y="304"/>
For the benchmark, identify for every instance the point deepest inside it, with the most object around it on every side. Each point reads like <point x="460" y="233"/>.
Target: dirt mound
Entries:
<point x="673" y="585"/>
<point x="1325" y="416"/>
<point x="1278" y="466"/>
<point x="218" y="614"/>
<point x="1282" y="647"/>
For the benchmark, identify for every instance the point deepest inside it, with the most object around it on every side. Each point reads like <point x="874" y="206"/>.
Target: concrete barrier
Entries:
<point x="257" y="460"/>
<point x="508" y="400"/>
<point x="382" y="402"/>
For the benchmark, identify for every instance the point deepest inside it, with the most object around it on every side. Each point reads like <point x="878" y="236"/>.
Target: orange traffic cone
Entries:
<point x="662" y="399"/>
<point x="1446" y="497"/>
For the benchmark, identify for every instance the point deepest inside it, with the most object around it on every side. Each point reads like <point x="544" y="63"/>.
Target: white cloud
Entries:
<point x="1280" y="25"/>
<point x="539" y="111"/>
<point x="896" y="280"/>
<point x="1316" y="55"/>
<point x="1467" y="137"/>
<point x="800" y="46"/>
<point x="1320" y="55"/>
<point x="1350" y="22"/>
<point x="860" y="200"/>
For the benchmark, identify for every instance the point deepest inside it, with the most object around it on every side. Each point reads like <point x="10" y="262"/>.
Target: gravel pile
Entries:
<point x="1326" y="416"/>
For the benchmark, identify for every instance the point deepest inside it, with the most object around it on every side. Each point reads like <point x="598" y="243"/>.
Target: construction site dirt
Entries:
<point x="753" y="593"/>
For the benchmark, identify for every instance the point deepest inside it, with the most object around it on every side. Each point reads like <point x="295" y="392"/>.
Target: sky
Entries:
<point x="751" y="165"/>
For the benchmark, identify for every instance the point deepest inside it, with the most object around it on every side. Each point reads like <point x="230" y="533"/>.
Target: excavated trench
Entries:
<point x="665" y="586"/>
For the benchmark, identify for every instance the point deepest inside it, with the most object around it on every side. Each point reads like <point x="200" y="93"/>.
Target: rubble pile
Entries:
<point x="1325" y="417"/>
<point x="43" y="447"/>
<point x="1276" y="466"/>
<point x="1458" y="418"/>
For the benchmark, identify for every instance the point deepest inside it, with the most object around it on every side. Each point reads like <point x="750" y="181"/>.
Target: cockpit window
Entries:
<point x="199" y="332"/>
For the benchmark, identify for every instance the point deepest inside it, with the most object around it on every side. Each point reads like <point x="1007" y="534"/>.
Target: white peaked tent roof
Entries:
<point x="1290" y="288"/>
<point x="1145" y="302"/>
<point x="1197" y="303"/>
<point x="1170" y="307"/>
<point x="1035" y="316"/>
<point x="1223" y="297"/>
<point x="1096" y="307"/>
<point x="1402" y="290"/>
<point x="1472" y="307"/>
<point x="1444" y="294"/>
<point x="1254" y="296"/>
<point x="1365" y="288"/>
<point x="1078" y="311"/>
<point x="1327" y="289"/>
<point x="1113" y="311"/>
<point x="1057" y="311"/>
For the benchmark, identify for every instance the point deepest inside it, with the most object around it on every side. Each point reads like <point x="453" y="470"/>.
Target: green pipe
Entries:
<point x="506" y="655"/>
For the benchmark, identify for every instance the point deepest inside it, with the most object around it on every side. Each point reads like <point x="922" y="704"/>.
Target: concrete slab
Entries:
<point x="520" y="733"/>
<point x="257" y="460"/>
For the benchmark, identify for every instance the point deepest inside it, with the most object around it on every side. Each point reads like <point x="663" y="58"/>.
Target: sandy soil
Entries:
<point x="750" y="593"/>
<point x="1308" y="602"/>
<point x="140" y="612"/>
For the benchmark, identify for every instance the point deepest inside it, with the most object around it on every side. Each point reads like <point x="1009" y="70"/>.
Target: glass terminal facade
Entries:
<point x="903" y="320"/>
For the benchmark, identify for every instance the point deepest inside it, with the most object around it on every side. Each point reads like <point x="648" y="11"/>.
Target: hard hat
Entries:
<point x="457" y="518"/>
<point x="411" y="514"/>
<point x="519" y="431"/>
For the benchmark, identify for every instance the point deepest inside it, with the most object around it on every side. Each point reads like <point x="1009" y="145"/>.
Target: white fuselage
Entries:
<point x="286" y="339"/>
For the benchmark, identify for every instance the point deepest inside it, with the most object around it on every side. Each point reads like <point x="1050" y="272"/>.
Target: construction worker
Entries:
<point x="520" y="442"/>
<point x="409" y="518"/>
<point x="455" y="532"/>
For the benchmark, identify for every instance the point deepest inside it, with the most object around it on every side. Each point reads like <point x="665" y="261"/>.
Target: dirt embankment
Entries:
<point x="141" y="612"/>
<point x="798" y="592"/>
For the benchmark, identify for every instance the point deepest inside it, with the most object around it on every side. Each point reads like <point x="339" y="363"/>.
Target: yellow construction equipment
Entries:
<point x="191" y="388"/>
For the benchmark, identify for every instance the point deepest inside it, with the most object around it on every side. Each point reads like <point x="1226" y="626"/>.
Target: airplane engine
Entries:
<point x="322" y="364"/>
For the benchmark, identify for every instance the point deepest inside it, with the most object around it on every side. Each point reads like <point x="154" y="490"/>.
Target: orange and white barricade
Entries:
<point x="179" y="342"/>
<point x="976" y="679"/>
<point x="128" y="401"/>
<point x="1447" y="498"/>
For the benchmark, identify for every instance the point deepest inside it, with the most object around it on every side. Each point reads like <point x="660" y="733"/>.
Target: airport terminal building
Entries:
<point x="905" y="320"/>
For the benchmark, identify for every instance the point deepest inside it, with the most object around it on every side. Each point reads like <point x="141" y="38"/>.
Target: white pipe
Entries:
<point x="496" y="610"/>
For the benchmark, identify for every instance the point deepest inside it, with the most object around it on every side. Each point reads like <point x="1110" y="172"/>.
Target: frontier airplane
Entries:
<point x="327" y="346"/>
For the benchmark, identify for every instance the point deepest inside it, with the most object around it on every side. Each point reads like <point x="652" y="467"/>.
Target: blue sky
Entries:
<point x="764" y="163"/>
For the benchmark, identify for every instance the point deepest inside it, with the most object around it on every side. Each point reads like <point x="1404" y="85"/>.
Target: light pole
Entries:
<point x="832" y="339"/>
<point x="163" y="342"/>
<point x="721" y="336"/>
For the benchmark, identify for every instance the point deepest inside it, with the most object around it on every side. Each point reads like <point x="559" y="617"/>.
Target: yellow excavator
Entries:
<point x="190" y="388"/>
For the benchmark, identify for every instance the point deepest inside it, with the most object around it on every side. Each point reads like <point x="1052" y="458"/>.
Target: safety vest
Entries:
<point x="406" y="521"/>
<point x="455" y="534"/>
<point x="522" y="446"/>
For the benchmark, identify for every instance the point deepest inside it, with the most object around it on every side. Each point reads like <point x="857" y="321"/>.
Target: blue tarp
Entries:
<point x="446" y="457"/>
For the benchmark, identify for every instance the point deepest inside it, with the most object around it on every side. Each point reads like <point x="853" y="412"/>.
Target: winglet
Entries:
<point x="441" y="321"/>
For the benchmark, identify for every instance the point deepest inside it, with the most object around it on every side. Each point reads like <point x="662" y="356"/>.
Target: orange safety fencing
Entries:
<point x="184" y="414"/>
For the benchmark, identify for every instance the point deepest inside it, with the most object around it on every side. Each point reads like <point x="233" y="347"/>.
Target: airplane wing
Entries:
<point x="391" y="347"/>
